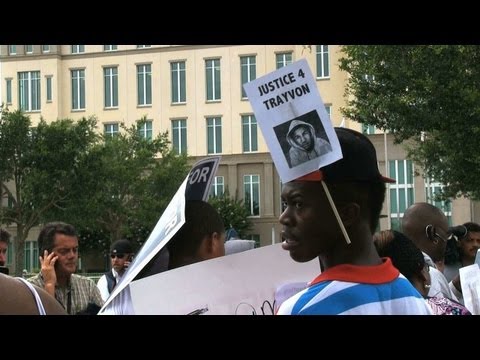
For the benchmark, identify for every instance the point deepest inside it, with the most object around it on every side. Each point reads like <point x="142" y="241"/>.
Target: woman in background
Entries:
<point x="407" y="258"/>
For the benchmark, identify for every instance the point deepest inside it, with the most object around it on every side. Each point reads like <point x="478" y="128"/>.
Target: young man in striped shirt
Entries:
<point x="355" y="280"/>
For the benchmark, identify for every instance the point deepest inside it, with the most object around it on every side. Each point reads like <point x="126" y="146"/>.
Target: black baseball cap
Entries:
<point x="121" y="246"/>
<point x="359" y="162"/>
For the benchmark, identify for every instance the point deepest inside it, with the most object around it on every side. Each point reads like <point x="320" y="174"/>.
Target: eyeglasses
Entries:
<point x="432" y="234"/>
<point x="120" y="256"/>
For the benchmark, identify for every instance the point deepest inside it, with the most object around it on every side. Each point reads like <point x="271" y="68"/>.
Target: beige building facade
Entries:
<point x="194" y="93"/>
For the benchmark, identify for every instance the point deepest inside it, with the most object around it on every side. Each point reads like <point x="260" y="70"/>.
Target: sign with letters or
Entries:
<point x="196" y="186"/>
<point x="293" y="120"/>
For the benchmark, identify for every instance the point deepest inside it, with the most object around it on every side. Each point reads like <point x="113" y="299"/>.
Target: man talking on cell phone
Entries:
<point x="121" y="254"/>
<point x="58" y="246"/>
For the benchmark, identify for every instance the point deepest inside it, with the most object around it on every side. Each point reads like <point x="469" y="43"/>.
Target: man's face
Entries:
<point x="470" y="244"/>
<point x="66" y="248"/>
<point x="309" y="225"/>
<point x="119" y="260"/>
<point x="302" y="137"/>
<point x="3" y="253"/>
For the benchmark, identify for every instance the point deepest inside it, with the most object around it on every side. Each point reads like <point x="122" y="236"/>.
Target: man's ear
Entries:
<point x="350" y="214"/>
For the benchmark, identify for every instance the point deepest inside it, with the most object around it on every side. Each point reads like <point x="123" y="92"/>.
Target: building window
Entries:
<point x="323" y="62"/>
<point x="7" y="200"/>
<point x="212" y="72"/>
<point x="283" y="59"/>
<point x="9" y="90"/>
<point x="31" y="256"/>
<point x="145" y="129"/>
<point x="45" y="49"/>
<point x="29" y="90"/>
<point x="144" y="85"/>
<point x="432" y="189"/>
<point x="110" y="47"/>
<point x="28" y="49"/>
<point x="12" y="49"/>
<point x="254" y="237"/>
<point x="48" y="84"/>
<point x="10" y="253"/>
<point x="248" y="70"/>
<point x="249" y="133"/>
<point x="77" y="49"/>
<point x="78" y="89"/>
<point x="179" y="92"/>
<point x="214" y="135"/>
<point x="328" y="108"/>
<point x="402" y="192"/>
<point x="110" y="75"/>
<point x="179" y="136"/>
<point x="110" y="130"/>
<point x="218" y="186"/>
<point x="251" y="187"/>
<point x="368" y="129"/>
<point x="143" y="46"/>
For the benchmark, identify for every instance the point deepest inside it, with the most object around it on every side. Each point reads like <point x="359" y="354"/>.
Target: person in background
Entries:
<point x="4" y="241"/>
<point x="202" y="237"/>
<point x="408" y="258"/>
<point x="355" y="280"/>
<point x="121" y="254"/>
<point x="58" y="242"/>
<point x="427" y="226"/>
<point x="461" y="251"/>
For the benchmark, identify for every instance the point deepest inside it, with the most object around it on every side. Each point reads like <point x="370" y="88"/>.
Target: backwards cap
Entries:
<point x="359" y="162"/>
<point x="121" y="246"/>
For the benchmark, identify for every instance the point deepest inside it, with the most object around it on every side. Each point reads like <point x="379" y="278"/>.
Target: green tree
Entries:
<point x="233" y="212"/>
<point x="427" y="94"/>
<point x="134" y="180"/>
<point x="38" y="169"/>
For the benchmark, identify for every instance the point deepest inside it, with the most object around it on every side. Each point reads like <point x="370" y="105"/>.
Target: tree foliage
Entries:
<point x="133" y="181"/>
<point x="233" y="212"/>
<point x="38" y="169"/>
<point x="427" y="94"/>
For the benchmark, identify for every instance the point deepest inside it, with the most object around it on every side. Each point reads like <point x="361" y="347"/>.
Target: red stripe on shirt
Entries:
<point x="376" y="274"/>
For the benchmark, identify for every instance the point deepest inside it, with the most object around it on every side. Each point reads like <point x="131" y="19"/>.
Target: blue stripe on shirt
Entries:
<point x="353" y="296"/>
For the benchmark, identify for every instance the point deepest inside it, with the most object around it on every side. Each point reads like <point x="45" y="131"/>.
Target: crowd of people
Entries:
<point x="330" y="215"/>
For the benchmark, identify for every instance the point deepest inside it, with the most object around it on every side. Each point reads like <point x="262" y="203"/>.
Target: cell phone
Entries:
<point x="4" y="270"/>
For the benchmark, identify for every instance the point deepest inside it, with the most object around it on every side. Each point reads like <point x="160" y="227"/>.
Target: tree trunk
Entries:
<point x="19" y="248"/>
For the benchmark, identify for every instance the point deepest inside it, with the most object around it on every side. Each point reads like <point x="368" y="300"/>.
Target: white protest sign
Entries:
<point x="293" y="120"/>
<point x="196" y="186"/>
<point x="470" y="280"/>
<point x="241" y="284"/>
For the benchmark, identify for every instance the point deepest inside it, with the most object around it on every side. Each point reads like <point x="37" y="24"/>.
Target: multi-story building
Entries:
<point x="195" y="92"/>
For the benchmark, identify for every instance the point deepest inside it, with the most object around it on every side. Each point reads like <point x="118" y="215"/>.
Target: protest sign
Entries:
<point x="293" y="120"/>
<point x="470" y="280"/>
<point x="239" y="284"/>
<point x="196" y="186"/>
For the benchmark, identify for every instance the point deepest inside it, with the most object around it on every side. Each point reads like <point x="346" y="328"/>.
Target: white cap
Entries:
<point x="236" y="245"/>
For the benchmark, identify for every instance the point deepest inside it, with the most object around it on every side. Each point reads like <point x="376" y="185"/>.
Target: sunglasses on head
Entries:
<point x="119" y="255"/>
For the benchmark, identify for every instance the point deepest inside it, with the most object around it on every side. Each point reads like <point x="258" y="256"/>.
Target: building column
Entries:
<point x="232" y="180"/>
<point x="268" y="190"/>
